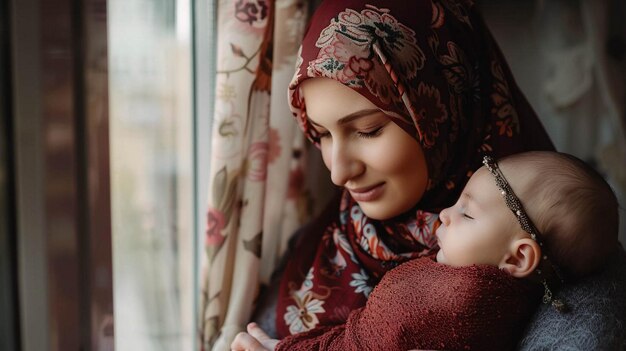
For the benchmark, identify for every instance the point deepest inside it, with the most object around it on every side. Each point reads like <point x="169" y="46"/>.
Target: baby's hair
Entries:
<point x="572" y="206"/>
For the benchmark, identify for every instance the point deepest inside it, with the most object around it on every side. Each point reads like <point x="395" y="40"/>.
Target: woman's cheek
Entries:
<point x="404" y="166"/>
<point x="386" y="157"/>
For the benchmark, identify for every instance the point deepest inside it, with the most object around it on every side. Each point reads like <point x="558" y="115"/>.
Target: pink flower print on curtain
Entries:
<point x="257" y="162"/>
<point x="215" y="224"/>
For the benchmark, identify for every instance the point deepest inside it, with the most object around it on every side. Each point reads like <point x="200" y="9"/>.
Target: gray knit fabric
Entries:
<point x="597" y="320"/>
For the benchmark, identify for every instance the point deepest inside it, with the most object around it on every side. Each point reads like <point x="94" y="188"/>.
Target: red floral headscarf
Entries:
<point x="435" y="70"/>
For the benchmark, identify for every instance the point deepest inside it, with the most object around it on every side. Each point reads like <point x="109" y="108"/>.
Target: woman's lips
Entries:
<point x="365" y="194"/>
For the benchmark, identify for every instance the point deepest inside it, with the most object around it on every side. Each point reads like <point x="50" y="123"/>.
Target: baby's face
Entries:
<point x="479" y="228"/>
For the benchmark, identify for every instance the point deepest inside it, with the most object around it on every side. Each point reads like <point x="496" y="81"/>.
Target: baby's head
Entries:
<point x="573" y="209"/>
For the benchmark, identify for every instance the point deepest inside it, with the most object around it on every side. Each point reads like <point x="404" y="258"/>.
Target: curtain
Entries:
<point x="258" y="194"/>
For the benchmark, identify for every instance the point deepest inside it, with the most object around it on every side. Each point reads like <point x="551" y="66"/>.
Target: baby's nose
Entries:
<point x="444" y="216"/>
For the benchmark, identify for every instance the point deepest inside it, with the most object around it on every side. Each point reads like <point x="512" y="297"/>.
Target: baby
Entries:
<point x="521" y="227"/>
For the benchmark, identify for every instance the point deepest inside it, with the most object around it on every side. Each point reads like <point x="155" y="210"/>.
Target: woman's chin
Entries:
<point x="382" y="210"/>
<point x="375" y="212"/>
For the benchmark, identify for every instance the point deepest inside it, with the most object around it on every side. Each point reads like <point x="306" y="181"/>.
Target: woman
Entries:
<point x="403" y="98"/>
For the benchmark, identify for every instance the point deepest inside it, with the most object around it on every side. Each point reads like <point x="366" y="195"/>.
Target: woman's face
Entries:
<point x="378" y="162"/>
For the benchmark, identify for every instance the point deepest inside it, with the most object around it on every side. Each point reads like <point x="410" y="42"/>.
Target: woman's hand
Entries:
<point x="254" y="340"/>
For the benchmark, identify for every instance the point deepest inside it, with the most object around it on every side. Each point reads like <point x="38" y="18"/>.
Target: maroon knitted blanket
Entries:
<point x="422" y="304"/>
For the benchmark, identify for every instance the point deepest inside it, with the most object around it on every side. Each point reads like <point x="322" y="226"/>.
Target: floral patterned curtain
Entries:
<point x="256" y="186"/>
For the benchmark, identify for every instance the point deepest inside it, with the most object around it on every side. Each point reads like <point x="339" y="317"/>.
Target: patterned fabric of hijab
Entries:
<point x="435" y="70"/>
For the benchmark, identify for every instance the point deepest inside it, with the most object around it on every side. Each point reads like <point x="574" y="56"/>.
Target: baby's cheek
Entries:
<point x="440" y="257"/>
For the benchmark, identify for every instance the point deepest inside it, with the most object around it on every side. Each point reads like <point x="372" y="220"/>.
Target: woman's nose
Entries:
<point x="345" y="165"/>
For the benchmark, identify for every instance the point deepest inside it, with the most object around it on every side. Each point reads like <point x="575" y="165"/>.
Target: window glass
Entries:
<point x="151" y="136"/>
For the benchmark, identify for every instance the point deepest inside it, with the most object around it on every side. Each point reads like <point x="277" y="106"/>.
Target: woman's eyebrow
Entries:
<point x="351" y="117"/>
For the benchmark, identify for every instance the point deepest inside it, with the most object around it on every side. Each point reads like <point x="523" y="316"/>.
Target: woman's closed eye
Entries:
<point x="371" y="133"/>
<point x="361" y="134"/>
<point x="323" y="135"/>
<point x="465" y="215"/>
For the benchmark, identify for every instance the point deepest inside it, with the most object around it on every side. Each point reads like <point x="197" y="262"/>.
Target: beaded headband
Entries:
<point x="515" y="205"/>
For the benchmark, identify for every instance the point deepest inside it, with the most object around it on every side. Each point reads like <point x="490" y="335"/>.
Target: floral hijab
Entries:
<point x="435" y="70"/>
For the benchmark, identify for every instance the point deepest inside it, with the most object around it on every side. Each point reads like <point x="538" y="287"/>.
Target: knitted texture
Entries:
<point x="597" y="320"/>
<point x="425" y="305"/>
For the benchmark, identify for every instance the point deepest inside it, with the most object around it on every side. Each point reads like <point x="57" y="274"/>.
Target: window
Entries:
<point x="152" y="173"/>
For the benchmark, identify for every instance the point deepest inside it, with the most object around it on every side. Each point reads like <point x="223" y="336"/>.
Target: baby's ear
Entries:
<point x="522" y="259"/>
